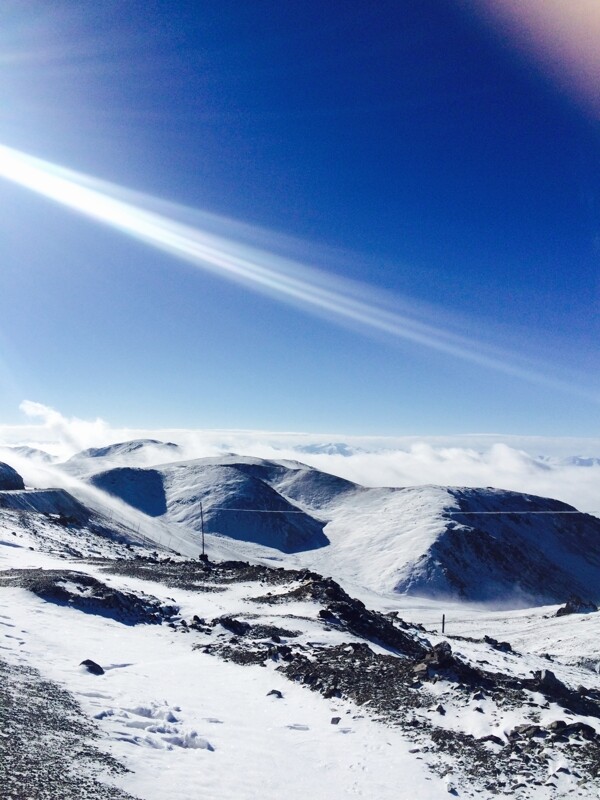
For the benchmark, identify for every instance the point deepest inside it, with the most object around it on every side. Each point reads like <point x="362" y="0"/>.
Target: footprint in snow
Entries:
<point x="159" y="727"/>
<point x="297" y="727"/>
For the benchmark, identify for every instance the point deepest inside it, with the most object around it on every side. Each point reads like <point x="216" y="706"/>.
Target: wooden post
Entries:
<point x="203" y="556"/>
<point x="443" y="623"/>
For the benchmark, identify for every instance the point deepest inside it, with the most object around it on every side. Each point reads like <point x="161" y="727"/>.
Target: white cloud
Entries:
<point x="66" y="434"/>
<point x="527" y="464"/>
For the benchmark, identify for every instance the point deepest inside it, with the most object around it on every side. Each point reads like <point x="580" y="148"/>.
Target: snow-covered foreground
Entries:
<point x="190" y="725"/>
<point x="176" y="708"/>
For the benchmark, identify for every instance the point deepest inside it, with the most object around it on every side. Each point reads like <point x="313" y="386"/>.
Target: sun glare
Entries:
<point x="311" y="288"/>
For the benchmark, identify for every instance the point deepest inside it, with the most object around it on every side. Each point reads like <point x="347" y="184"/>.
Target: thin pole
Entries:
<point x="443" y="623"/>
<point x="202" y="528"/>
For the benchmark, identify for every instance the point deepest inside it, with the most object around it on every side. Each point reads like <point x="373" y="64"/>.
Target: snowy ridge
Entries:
<point x="426" y="541"/>
<point x="139" y="452"/>
<point x="45" y="501"/>
<point x="188" y="493"/>
<point x="499" y="546"/>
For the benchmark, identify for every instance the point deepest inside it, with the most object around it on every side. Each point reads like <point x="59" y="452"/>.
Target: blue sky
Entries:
<point x="402" y="145"/>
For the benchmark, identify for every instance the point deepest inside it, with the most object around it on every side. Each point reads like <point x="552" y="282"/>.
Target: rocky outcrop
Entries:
<point x="87" y="594"/>
<point x="575" y="605"/>
<point x="10" y="480"/>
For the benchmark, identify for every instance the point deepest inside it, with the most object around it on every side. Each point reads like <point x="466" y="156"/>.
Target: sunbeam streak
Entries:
<point x="312" y="288"/>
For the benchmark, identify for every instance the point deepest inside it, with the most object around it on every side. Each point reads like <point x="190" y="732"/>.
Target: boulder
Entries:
<point x="92" y="667"/>
<point x="550" y="685"/>
<point x="235" y="626"/>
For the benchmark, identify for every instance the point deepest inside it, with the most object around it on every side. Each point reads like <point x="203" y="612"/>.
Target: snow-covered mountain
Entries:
<point x="483" y="545"/>
<point x="138" y="452"/>
<point x="229" y="501"/>
<point x="581" y="461"/>
<point x="508" y="547"/>
<point x="31" y="453"/>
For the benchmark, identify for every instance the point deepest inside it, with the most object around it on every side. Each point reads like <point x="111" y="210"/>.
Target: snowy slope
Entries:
<point x="190" y="725"/>
<point x="509" y="547"/>
<point x="485" y="545"/>
<point x="269" y="684"/>
<point x="188" y="493"/>
<point x="414" y="540"/>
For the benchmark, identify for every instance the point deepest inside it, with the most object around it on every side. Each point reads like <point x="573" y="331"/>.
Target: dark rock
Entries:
<point x="548" y="682"/>
<point x="335" y="720"/>
<point x="439" y="661"/>
<point x="285" y="651"/>
<point x="327" y="614"/>
<point x="92" y="667"/>
<point x="441" y="654"/>
<point x="575" y="605"/>
<point x="580" y="729"/>
<point x="233" y="625"/>
<point x="10" y="480"/>
<point x="557" y="724"/>
<point x="527" y="730"/>
<point x="275" y="693"/>
<point x="503" y="647"/>
<point x="351" y="614"/>
<point x="421" y="670"/>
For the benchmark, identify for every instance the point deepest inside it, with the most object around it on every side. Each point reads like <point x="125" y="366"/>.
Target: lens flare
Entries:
<point x="227" y="255"/>
<point x="560" y="37"/>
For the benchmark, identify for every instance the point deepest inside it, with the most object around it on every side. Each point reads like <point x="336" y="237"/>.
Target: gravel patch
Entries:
<point x="47" y="749"/>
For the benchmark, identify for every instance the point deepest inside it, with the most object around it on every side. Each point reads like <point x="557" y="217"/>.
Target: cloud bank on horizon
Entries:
<point x="567" y="469"/>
